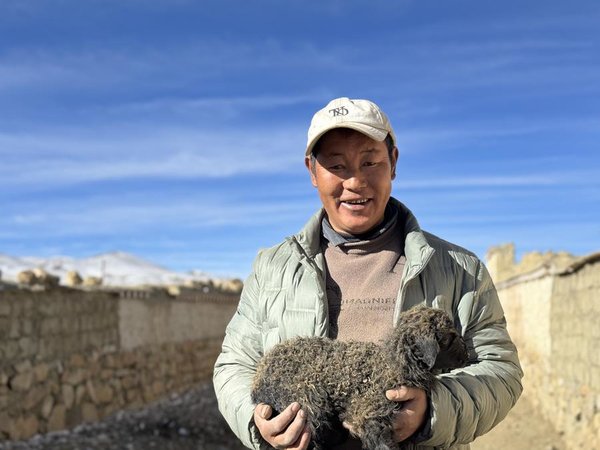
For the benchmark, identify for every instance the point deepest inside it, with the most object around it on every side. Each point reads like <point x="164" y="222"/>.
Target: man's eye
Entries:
<point x="336" y="167"/>
<point x="369" y="163"/>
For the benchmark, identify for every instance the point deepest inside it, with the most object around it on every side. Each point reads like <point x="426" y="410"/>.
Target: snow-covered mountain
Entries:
<point x="115" y="269"/>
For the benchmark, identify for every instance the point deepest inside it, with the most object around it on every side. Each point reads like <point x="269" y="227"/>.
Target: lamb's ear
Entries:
<point x="454" y="356"/>
<point x="428" y="351"/>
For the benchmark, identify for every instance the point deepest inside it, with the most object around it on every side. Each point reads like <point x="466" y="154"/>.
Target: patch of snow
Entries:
<point x="115" y="269"/>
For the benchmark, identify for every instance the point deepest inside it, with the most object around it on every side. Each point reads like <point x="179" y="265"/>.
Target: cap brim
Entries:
<point x="376" y="134"/>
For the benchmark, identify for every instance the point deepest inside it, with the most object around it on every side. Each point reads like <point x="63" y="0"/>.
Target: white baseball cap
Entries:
<point x="360" y="115"/>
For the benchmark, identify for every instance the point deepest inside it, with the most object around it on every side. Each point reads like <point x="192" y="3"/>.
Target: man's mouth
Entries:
<point x="355" y="204"/>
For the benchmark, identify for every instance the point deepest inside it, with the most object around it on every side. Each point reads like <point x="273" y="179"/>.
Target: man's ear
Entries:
<point x="308" y="162"/>
<point x="394" y="161"/>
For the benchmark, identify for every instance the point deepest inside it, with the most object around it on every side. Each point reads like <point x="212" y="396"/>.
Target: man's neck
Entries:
<point x="337" y="238"/>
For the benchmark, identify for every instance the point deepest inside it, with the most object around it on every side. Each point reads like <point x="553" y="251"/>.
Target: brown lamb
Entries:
<point x="338" y="381"/>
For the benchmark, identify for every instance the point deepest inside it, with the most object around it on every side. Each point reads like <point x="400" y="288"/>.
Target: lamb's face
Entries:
<point x="452" y="349"/>
<point x="428" y="335"/>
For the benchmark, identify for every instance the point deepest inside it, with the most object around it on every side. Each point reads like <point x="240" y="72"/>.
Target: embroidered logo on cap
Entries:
<point x="341" y="111"/>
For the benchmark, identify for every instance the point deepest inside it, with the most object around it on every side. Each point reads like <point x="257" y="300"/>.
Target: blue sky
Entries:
<point x="175" y="130"/>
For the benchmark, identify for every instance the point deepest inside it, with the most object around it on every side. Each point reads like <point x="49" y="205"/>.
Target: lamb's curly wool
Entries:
<point x="346" y="381"/>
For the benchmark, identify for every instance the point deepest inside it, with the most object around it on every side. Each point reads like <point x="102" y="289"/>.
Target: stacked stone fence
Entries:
<point x="69" y="356"/>
<point x="553" y="317"/>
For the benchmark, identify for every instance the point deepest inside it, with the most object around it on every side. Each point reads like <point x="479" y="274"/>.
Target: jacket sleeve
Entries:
<point x="236" y="365"/>
<point x="469" y="402"/>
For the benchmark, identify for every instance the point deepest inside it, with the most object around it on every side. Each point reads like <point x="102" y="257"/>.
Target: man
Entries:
<point x="354" y="267"/>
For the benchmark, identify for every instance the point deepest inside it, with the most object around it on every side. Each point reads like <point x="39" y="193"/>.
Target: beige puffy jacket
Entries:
<point x="285" y="297"/>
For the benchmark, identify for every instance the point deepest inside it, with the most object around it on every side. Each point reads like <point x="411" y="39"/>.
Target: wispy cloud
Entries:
<point x="67" y="156"/>
<point x="185" y="123"/>
<point x="500" y="59"/>
<point x="147" y="67"/>
<point x="568" y="178"/>
<point x="130" y="213"/>
<point x="451" y="134"/>
<point x="230" y="106"/>
<point x="162" y="153"/>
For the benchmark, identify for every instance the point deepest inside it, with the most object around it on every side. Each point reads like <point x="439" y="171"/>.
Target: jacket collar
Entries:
<point x="309" y="237"/>
<point x="416" y="248"/>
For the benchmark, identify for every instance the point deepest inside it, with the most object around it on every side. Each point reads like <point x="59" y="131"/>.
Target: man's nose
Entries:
<point x="356" y="180"/>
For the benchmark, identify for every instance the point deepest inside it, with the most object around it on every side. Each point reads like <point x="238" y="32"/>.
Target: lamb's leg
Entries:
<point x="326" y="430"/>
<point x="376" y="434"/>
<point x="370" y="418"/>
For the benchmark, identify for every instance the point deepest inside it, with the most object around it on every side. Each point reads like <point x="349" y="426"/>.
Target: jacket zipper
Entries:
<point x="405" y="282"/>
<point x="309" y="263"/>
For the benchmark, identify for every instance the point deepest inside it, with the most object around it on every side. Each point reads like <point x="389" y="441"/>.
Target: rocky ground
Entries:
<point x="191" y="421"/>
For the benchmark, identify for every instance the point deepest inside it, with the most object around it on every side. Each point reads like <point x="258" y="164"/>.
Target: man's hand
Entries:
<point x="413" y="412"/>
<point x="288" y="430"/>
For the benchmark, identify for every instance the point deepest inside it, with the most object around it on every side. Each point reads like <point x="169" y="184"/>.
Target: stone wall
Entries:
<point x="552" y="315"/>
<point x="152" y="320"/>
<point x="575" y="362"/>
<point x="501" y="261"/>
<point x="68" y="356"/>
<point x="48" y="325"/>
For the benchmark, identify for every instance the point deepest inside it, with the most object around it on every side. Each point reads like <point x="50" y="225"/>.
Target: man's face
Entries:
<point x="353" y="174"/>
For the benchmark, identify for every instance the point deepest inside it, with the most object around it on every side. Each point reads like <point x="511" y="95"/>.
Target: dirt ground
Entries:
<point x="523" y="429"/>
<point x="191" y="421"/>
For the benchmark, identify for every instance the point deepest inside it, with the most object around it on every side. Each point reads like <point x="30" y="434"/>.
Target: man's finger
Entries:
<point x="303" y="440"/>
<point x="265" y="411"/>
<point x="347" y="425"/>
<point x="400" y="394"/>
<point x="262" y="413"/>
<point x="281" y="422"/>
<point x="402" y="426"/>
<point x="293" y="434"/>
<point x="293" y="437"/>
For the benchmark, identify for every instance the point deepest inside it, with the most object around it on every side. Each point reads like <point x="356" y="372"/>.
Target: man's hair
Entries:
<point x="345" y="132"/>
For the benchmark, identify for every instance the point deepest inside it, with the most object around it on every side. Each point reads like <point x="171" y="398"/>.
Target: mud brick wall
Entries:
<point x="554" y="320"/>
<point x="575" y="362"/>
<point x="48" y="325"/>
<point x="70" y="356"/>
